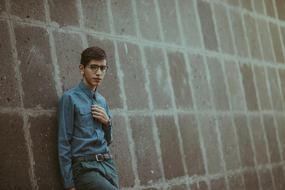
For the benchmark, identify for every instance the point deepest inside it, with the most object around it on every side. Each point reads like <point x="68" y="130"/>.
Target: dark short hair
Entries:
<point x="92" y="53"/>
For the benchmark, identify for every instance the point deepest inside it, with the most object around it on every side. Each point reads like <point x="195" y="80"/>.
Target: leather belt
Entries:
<point x="93" y="157"/>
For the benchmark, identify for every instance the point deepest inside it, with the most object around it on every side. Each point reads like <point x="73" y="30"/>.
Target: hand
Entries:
<point x="72" y="188"/>
<point x="99" y="113"/>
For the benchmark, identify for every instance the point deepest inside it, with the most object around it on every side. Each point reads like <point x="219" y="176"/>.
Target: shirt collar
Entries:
<point x="87" y="90"/>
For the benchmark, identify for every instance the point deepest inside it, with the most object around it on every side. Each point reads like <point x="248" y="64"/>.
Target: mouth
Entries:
<point x="97" y="79"/>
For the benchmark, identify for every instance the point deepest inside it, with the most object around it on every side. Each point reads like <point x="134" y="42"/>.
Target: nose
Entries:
<point x="98" y="72"/>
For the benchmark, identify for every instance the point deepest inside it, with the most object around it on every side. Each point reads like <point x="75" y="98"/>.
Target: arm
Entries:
<point x="108" y="127"/>
<point x="104" y="116"/>
<point x="65" y="131"/>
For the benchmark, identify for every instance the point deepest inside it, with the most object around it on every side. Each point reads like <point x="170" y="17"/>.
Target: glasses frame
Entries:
<point x="98" y="67"/>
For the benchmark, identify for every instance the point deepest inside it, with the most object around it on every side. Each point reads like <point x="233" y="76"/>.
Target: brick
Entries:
<point x="68" y="50"/>
<point x="258" y="139"/>
<point x="200" y="83"/>
<point x="208" y="126"/>
<point x="147" y="158"/>
<point x="245" y="148"/>
<point x="148" y="20"/>
<point x="239" y="34"/>
<point x="28" y="9"/>
<point x="202" y="185"/>
<point x="151" y="188"/>
<point x="217" y="80"/>
<point x="274" y="89"/>
<point x="236" y="3"/>
<point x="160" y="83"/>
<point x="36" y="67"/>
<point x="259" y="6"/>
<point x="64" y="18"/>
<point x="261" y="87"/>
<point x="43" y="130"/>
<point x="179" y="187"/>
<point x="233" y="78"/>
<point x="281" y="73"/>
<point x="269" y="8"/>
<point x="265" y="39"/>
<point x="207" y="25"/>
<point x="169" y="21"/>
<point x="271" y="136"/>
<point x="247" y="4"/>
<point x="123" y="17"/>
<point x="96" y="16"/>
<point x="235" y="182"/>
<point x="169" y="144"/>
<point x="223" y="29"/>
<point x="191" y="143"/>
<point x="251" y="31"/>
<point x="189" y="23"/>
<point x="2" y="6"/>
<point x="265" y="179"/>
<point x="278" y="177"/>
<point x="248" y="85"/>
<point x="280" y="124"/>
<point x="250" y="180"/>
<point x="134" y="78"/>
<point x="280" y="6"/>
<point x="180" y="80"/>
<point x="277" y="46"/>
<point x="14" y="161"/>
<point x="229" y="142"/>
<point x="218" y="184"/>
<point x="9" y="97"/>
<point x="121" y="152"/>
<point x="110" y="86"/>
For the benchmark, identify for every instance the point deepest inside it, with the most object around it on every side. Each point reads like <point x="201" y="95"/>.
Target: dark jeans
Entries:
<point x="93" y="175"/>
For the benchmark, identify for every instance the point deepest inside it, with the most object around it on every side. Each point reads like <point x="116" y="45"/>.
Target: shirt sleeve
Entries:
<point x="65" y="131"/>
<point x="108" y="129"/>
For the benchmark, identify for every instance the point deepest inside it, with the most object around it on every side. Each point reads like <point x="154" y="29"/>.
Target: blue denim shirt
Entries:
<point x="79" y="133"/>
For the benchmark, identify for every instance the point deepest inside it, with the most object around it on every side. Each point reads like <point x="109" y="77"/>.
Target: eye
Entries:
<point x="95" y="67"/>
<point x="103" y="68"/>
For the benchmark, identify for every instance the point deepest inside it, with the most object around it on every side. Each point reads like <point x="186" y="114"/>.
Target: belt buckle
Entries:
<point x="99" y="157"/>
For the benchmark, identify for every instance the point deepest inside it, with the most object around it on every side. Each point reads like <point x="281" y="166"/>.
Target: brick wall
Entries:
<point x="197" y="89"/>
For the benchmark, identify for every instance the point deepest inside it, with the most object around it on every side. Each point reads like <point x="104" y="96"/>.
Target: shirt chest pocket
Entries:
<point x="85" y="117"/>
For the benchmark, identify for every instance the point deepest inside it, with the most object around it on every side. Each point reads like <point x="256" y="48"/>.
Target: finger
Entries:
<point x="99" y="107"/>
<point x="97" y="114"/>
<point x="103" y="115"/>
<point x="101" y="119"/>
<point x="96" y="109"/>
<point x="97" y="117"/>
<point x="99" y="111"/>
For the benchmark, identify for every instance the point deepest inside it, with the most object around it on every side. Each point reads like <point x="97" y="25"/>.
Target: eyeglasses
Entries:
<point x="103" y="68"/>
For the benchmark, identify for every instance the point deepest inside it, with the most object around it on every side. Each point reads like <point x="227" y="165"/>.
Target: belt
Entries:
<point x="93" y="157"/>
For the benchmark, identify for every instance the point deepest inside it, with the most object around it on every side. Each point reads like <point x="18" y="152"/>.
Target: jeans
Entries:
<point x="93" y="175"/>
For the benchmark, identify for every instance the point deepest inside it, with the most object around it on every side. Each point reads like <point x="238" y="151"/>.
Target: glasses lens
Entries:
<point x="95" y="68"/>
<point x="104" y="68"/>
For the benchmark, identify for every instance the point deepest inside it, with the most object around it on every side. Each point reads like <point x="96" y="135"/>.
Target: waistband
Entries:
<point x="93" y="157"/>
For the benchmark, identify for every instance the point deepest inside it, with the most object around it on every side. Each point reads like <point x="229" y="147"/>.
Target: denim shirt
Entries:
<point x="79" y="134"/>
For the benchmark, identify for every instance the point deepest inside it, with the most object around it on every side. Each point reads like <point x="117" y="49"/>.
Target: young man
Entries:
<point x="85" y="129"/>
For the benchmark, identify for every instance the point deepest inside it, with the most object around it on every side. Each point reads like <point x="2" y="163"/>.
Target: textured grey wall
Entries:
<point x="197" y="89"/>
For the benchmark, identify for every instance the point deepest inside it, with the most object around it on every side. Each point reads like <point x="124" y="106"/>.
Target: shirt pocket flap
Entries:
<point x="84" y="110"/>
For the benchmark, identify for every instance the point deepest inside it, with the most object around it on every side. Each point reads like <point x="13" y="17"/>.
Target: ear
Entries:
<point x="81" y="68"/>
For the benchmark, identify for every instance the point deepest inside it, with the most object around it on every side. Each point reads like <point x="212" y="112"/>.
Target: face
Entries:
<point x="92" y="77"/>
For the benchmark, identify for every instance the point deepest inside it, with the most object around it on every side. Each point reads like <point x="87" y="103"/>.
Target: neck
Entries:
<point x="93" y="88"/>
